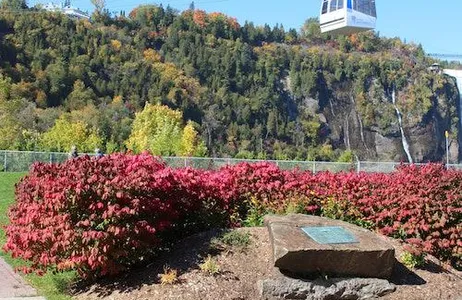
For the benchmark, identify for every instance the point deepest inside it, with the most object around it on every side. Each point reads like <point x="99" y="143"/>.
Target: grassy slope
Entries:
<point x="51" y="286"/>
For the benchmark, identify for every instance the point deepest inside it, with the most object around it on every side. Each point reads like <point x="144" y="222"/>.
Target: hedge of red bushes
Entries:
<point x="103" y="216"/>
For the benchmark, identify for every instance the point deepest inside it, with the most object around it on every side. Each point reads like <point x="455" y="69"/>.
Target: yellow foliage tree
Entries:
<point x="65" y="133"/>
<point x="152" y="56"/>
<point x="190" y="145"/>
<point x="116" y="44"/>
<point x="159" y="129"/>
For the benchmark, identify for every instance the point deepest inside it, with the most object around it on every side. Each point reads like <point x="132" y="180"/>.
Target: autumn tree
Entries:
<point x="160" y="130"/>
<point x="65" y="133"/>
<point x="190" y="144"/>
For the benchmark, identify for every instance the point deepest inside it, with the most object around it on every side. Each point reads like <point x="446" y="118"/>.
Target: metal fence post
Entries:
<point x="21" y="160"/>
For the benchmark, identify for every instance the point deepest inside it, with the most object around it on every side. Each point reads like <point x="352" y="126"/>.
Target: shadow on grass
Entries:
<point x="63" y="282"/>
<point x="185" y="255"/>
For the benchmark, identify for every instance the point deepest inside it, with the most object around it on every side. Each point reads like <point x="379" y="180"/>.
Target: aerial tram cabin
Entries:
<point x="347" y="16"/>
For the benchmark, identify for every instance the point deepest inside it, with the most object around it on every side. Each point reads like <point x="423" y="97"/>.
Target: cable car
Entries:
<point x="347" y="16"/>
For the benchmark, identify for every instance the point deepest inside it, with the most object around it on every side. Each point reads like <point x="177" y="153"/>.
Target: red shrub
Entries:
<point x="99" y="216"/>
<point x="102" y="216"/>
<point x="419" y="204"/>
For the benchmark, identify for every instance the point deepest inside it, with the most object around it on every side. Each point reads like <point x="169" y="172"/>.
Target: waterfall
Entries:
<point x="400" y="121"/>
<point x="331" y="107"/>
<point x="361" y="130"/>
<point x="347" y="134"/>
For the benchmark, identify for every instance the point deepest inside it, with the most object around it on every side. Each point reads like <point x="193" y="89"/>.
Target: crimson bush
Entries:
<point x="102" y="216"/>
<point x="418" y="204"/>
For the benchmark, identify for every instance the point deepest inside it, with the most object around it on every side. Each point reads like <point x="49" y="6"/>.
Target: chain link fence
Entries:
<point x="20" y="161"/>
<point x="216" y="163"/>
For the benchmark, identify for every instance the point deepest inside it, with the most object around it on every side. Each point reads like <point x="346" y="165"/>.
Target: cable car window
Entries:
<point x="324" y="7"/>
<point x="340" y="4"/>
<point x="333" y="5"/>
<point x="373" y="9"/>
<point x="365" y="6"/>
<point x="362" y="6"/>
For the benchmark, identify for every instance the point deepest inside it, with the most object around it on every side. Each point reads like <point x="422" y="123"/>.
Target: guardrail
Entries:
<point x="20" y="161"/>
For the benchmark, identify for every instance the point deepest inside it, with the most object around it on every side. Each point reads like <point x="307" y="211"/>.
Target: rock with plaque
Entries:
<point x="307" y="245"/>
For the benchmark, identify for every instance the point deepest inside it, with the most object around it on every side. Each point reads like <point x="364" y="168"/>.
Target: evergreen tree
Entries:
<point x="13" y="4"/>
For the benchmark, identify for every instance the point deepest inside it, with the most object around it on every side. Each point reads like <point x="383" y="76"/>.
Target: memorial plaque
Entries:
<point x="330" y="235"/>
<point x="308" y="245"/>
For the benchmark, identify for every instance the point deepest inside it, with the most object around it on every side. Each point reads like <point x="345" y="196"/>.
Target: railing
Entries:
<point x="20" y="161"/>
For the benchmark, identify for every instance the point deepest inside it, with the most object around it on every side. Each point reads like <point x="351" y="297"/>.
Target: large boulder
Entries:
<point x="295" y="252"/>
<point x="324" y="289"/>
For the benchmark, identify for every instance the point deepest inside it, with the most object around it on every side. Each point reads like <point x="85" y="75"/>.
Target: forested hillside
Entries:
<point x="233" y="90"/>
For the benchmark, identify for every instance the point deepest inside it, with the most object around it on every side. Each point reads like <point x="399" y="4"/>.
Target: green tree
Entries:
<point x="159" y="129"/>
<point x="79" y="97"/>
<point x="271" y="124"/>
<point x="16" y="116"/>
<point x="99" y="5"/>
<point x="65" y="133"/>
<point x="13" y="4"/>
<point x="190" y="144"/>
<point x="311" y="30"/>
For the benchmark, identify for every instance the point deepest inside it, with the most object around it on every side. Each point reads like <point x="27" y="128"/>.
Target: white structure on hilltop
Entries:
<point x="67" y="10"/>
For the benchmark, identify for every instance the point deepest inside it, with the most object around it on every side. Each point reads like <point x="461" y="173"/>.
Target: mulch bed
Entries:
<point x="240" y="269"/>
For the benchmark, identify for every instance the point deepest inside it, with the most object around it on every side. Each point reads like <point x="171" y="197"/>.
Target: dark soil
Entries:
<point x="241" y="268"/>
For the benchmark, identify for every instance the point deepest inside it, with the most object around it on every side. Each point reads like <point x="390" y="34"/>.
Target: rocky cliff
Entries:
<point x="392" y="119"/>
<point x="382" y="139"/>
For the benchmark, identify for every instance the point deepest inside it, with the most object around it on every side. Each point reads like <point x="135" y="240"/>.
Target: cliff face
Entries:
<point x="381" y="138"/>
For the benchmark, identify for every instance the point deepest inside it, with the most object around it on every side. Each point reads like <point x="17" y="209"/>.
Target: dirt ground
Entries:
<point x="241" y="269"/>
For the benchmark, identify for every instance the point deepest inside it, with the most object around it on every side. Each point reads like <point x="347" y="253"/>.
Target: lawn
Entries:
<point x="52" y="286"/>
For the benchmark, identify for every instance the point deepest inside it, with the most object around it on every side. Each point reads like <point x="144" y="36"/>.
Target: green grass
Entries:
<point x="233" y="238"/>
<point x="52" y="286"/>
<point x="7" y="182"/>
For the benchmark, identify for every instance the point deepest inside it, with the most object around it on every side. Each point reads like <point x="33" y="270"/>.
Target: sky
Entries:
<point x="431" y="23"/>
